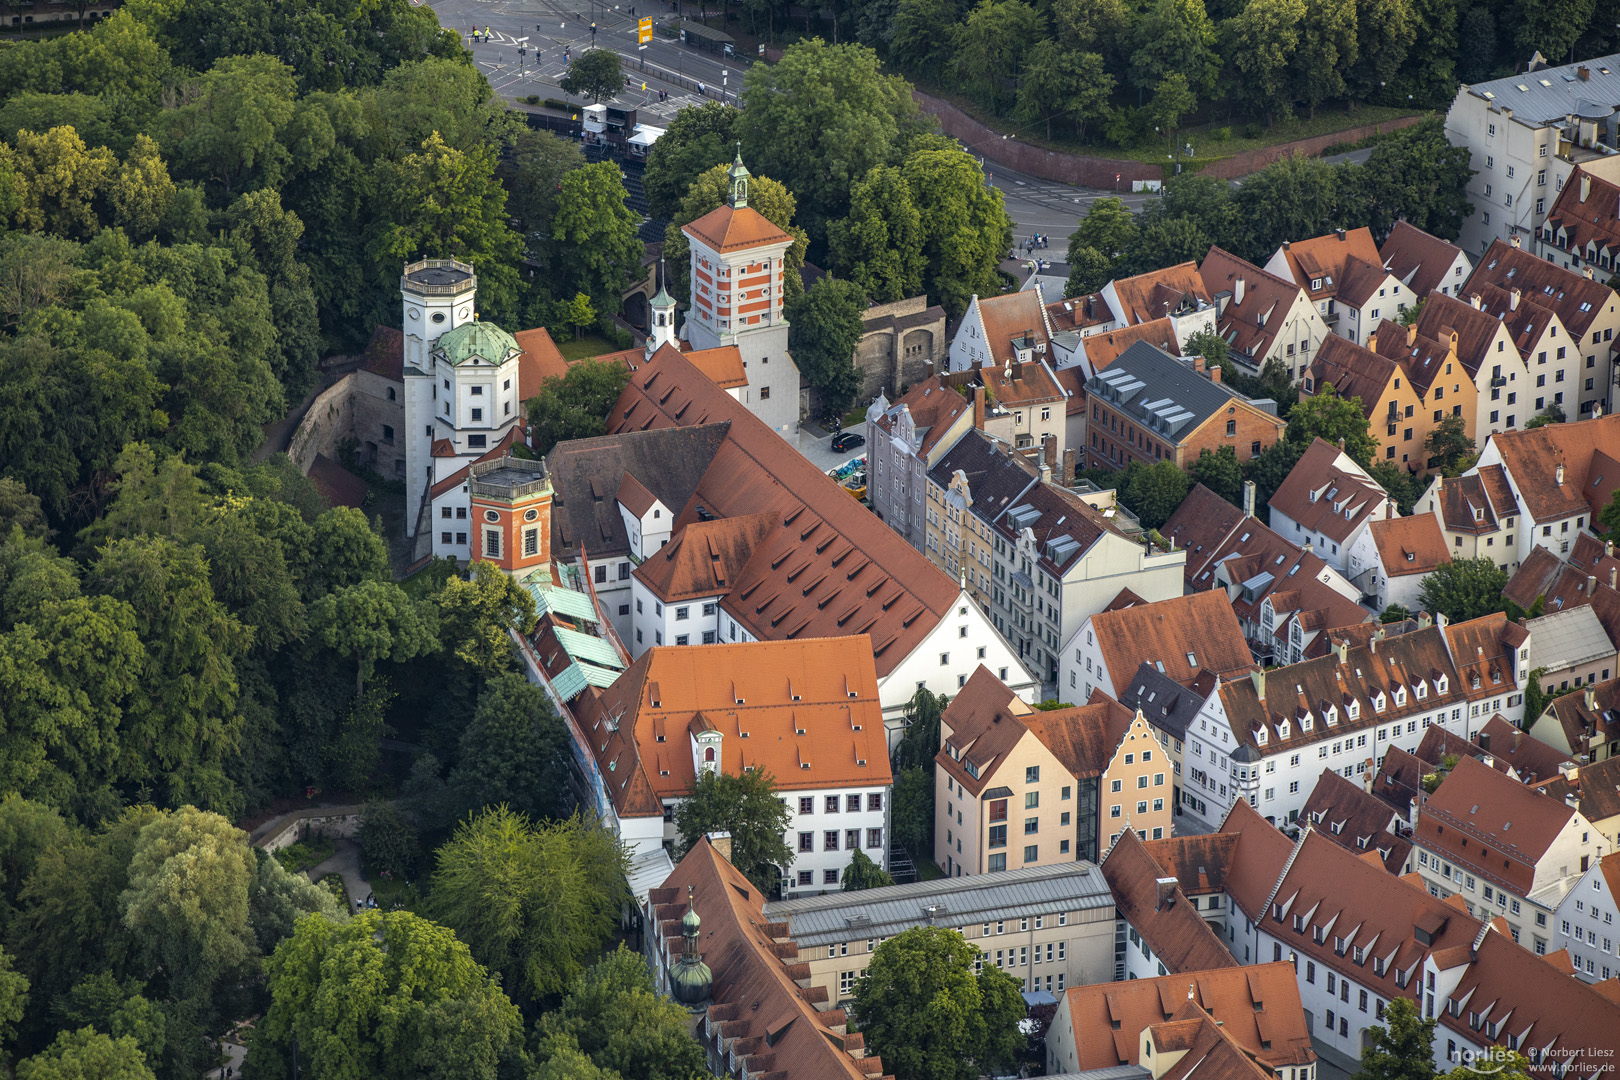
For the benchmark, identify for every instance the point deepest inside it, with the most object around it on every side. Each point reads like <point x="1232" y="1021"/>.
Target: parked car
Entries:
<point x="848" y="440"/>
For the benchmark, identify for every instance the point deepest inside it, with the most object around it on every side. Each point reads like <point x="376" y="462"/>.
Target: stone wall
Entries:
<point x="288" y="829"/>
<point x="900" y="347"/>
<point x="362" y="406"/>
<point x="1111" y="174"/>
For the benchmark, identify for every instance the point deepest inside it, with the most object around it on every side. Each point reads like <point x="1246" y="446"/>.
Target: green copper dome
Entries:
<point x="690" y="979"/>
<point x="484" y="340"/>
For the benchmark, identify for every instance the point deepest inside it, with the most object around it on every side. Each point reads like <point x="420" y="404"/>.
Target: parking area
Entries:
<point x="818" y="449"/>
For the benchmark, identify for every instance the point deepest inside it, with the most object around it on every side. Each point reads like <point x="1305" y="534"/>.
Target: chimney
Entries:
<point x="1591" y="584"/>
<point x="1608" y="549"/>
<point x="1046" y="472"/>
<point x="1340" y="233"/>
<point x="1049" y="454"/>
<point x="1570" y="771"/>
<point x="1258" y="677"/>
<point x="1017" y="370"/>
<point x="978" y="407"/>
<point x="1612" y="572"/>
<point x="1341" y="444"/>
<point x="1558" y="473"/>
<point x="1586" y="186"/>
<point x="1166" y="889"/>
<point x="1488" y="760"/>
<point x="1513" y="298"/>
<point x="1474" y="301"/>
<point x="1248" y="498"/>
<point x="1583" y="73"/>
<point x="1573" y="801"/>
<point x="1518" y="736"/>
<point x="1214" y="373"/>
<point x="721" y="842"/>
<point x="1484" y="740"/>
<point x="1068" y="467"/>
<point x="1514" y="240"/>
<point x="1237" y="291"/>
<point x="1411" y="334"/>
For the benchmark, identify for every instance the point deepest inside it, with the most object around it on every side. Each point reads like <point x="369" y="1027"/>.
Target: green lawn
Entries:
<point x="926" y="870"/>
<point x="587" y="346"/>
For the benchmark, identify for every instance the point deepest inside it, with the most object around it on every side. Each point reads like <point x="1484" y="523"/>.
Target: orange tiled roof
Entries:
<point x="1353" y="372"/>
<point x="1103" y="349"/>
<point x="1084" y="737"/>
<point x="1008" y="316"/>
<point x="1155" y="294"/>
<point x="934" y="408"/>
<point x="1249" y="327"/>
<point x="1582" y="447"/>
<point x="1590" y="718"/>
<point x="1327" y="259"/>
<point x="1475" y="328"/>
<point x="763" y="1018"/>
<point x="1355" y="819"/>
<point x="1259" y="1007"/>
<point x="1574" y="222"/>
<point x="1078" y="312"/>
<point x="1485" y="649"/>
<point x="1198" y="862"/>
<point x="985" y="721"/>
<point x="1410" y="545"/>
<point x="460" y="475"/>
<point x="726" y="229"/>
<point x="724" y="365"/>
<point x="704" y="558"/>
<point x="806" y="712"/>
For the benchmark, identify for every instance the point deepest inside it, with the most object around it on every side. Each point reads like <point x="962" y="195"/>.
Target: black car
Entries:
<point x="847" y="440"/>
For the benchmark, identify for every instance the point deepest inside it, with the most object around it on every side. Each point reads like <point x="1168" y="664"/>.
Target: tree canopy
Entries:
<point x="745" y="805"/>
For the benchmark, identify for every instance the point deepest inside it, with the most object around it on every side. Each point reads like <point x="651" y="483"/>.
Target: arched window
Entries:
<point x="708" y="755"/>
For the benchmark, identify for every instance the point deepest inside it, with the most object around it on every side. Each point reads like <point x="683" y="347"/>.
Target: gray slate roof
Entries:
<point x="995" y="478"/>
<point x="1165" y="703"/>
<point x="1159" y="391"/>
<point x="1565" y="93"/>
<point x="586" y="474"/>
<point x="962" y="901"/>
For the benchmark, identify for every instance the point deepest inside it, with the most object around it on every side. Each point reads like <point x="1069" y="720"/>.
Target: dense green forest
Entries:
<point x="1113" y="71"/>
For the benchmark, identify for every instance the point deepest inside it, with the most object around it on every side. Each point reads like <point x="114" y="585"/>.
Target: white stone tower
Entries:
<point x="438" y="295"/>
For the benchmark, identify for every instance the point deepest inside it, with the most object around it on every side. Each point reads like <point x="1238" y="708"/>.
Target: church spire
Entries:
<point x="739" y="176"/>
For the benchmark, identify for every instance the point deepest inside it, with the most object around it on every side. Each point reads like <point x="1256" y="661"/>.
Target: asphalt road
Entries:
<point x="556" y="29"/>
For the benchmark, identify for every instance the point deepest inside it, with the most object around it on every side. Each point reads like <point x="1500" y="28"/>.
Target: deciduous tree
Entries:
<point x="1153" y="492"/>
<point x="745" y="805"/>
<point x="1400" y="1048"/>
<point x="531" y="901"/>
<point x="1329" y="417"/>
<point x="824" y="329"/>
<point x="380" y="997"/>
<point x="697" y="139"/>
<point x="594" y="233"/>
<point x="1220" y="471"/>
<point x="373" y="621"/>
<point x="863" y="873"/>
<point x="613" y="1015"/>
<point x="595" y="75"/>
<point x="1464" y="589"/>
<point x="922" y="1008"/>
<point x="87" y="1054"/>
<point x="1175" y="35"/>
<point x="966" y="231"/>
<point x="1449" y="446"/>
<point x="879" y="245"/>
<point x="575" y="405"/>
<point x="513" y="752"/>
<point x="992" y="45"/>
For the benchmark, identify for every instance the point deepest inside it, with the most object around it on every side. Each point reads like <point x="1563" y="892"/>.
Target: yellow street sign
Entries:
<point x="644" y="32"/>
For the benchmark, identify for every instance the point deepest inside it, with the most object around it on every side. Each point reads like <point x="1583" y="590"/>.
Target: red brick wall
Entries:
<point x="1252" y="426"/>
<point x="1254" y="160"/>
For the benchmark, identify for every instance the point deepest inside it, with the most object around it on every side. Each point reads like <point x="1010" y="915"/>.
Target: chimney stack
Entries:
<point x="1586" y="186"/>
<point x="1583" y="73"/>
<point x="1068" y="467"/>
<point x="1513" y="298"/>
<point x="1166" y="890"/>
<point x="1237" y="291"/>
<point x="1049" y="454"/>
<point x="721" y="842"/>
<point x="1573" y="801"/>
<point x="1248" y="498"/>
<point x="978" y="407"/>
<point x="1612" y="572"/>
<point x="1591" y="584"/>
<point x="1340" y="232"/>
<point x="1214" y="372"/>
<point x="1258" y="677"/>
<point x="1046" y="472"/>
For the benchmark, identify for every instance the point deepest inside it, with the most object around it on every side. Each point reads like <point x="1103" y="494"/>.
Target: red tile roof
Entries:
<point x="1422" y="262"/>
<point x="1078" y="312"/>
<point x="934" y="408"/>
<point x="1574" y="221"/>
<point x="500" y="449"/>
<point x="1359" y="905"/>
<point x="1485" y="651"/>
<point x="829" y="567"/>
<point x="726" y="229"/>
<point x="1259" y="1007"/>
<point x="1328" y="260"/>
<point x="1328" y="493"/>
<point x="1410" y="545"/>
<point x="1524" y="995"/>
<point x="1184" y="636"/>
<point x="724" y="365"/>
<point x="1475" y="329"/>
<point x="1258" y="859"/>
<point x="704" y="558"/>
<point x="1492" y="824"/>
<point x="1249" y="327"/>
<point x="1103" y="349"/>
<point x="1589" y="719"/>
<point x="1353" y="372"/>
<point x="1008" y="316"/>
<point x="1577" y="299"/>
<point x="1085" y="737"/>
<point x="1596" y="786"/>
<point x="1198" y="862"/>
<point x="1356" y="820"/>
<point x="1176" y="934"/>
<point x="985" y="722"/>
<point x="1582" y="447"/>
<point x="1202" y="525"/>
<point x="1476" y="503"/>
<point x="806" y="712"/>
<point x="1155" y="294"/>
<point x="762" y="1017"/>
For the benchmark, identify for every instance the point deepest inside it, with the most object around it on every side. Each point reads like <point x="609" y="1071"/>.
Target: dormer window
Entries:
<point x="1307" y="722"/>
<point x="1400" y="696"/>
<point x="1422" y="690"/>
<point x="1353" y="710"/>
<point x="1282" y="730"/>
<point x="1332" y="715"/>
<point x="1378" y="702"/>
<point x="1261" y="736"/>
<point x="1440" y="685"/>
